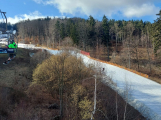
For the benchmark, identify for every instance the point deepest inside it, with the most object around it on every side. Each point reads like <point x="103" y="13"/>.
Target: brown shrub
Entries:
<point x="24" y="111"/>
<point x="39" y="57"/>
<point x="38" y="94"/>
<point x="61" y="67"/>
<point x="67" y="42"/>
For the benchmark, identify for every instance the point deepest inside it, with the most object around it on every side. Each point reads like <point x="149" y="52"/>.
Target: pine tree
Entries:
<point x="68" y="25"/>
<point x="62" y="31"/>
<point x="57" y="25"/>
<point x="157" y="34"/>
<point x="74" y="34"/>
<point x="105" y="36"/>
<point x="57" y="32"/>
<point x="91" y="21"/>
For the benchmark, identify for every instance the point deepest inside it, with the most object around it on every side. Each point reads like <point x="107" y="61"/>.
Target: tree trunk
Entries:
<point x="137" y="57"/>
<point x="116" y="41"/>
<point x="97" y="49"/>
<point x="107" y="52"/>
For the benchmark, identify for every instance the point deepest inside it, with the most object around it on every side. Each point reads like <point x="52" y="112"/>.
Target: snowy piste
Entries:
<point x="144" y="94"/>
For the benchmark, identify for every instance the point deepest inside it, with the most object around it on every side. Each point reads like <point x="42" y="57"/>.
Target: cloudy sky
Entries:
<point x="114" y="9"/>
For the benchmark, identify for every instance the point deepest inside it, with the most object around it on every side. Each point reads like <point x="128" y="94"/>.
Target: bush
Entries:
<point x="86" y="107"/>
<point x="63" y="67"/>
<point x="38" y="94"/>
<point x="39" y="57"/>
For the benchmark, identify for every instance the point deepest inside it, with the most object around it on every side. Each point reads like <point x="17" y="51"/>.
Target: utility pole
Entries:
<point x="94" y="97"/>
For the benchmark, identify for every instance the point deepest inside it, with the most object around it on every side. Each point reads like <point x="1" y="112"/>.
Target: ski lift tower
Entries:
<point x="6" y="37"/>
<point x="4" y="14"/>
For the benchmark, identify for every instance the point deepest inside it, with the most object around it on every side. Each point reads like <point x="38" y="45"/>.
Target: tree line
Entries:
<point x="109" y="36"/>
<point x="89" y="33"/>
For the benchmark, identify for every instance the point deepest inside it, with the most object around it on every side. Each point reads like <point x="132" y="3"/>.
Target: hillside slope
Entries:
<point x="16" y="103"/>
<point x="144" y="94"/>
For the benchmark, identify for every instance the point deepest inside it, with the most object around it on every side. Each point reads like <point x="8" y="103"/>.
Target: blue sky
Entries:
<point x="114" y="9"/>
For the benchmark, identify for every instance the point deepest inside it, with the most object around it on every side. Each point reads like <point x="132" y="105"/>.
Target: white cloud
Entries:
<point x="129" y="8"/>
<point x="145" y="9"/>
<point x="31" y="16"/>
<point x="38" y="1"/>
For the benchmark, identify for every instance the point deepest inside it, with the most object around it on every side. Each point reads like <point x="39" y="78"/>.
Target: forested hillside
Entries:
<point x="86" y="33"/>
<point x="134" y="44"/>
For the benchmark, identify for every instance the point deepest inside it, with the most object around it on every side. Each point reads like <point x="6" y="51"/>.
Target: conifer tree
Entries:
<point x="91" y="33"/>
<point x="57" y="32"/>
<point x="57" y="25"/>
<point x="91" y="21"/>
<point x="62" y="31"/>
<point x="157" y="34"/>
<point x="74" y="34"/>
<point x="105" y="36"/>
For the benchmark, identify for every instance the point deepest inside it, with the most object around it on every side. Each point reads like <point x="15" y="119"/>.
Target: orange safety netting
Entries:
<point x="85" y="53"/>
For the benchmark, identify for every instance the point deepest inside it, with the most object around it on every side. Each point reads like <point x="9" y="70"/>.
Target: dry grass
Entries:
<point x="15" y="101"/>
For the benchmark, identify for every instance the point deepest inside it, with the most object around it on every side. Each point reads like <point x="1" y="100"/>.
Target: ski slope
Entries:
<point x="144" y="94"/>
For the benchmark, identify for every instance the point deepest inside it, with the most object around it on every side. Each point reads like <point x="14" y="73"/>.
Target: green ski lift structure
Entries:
<point x="9" y="36"/>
